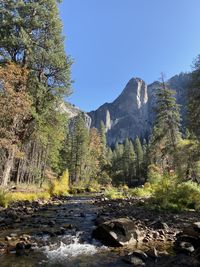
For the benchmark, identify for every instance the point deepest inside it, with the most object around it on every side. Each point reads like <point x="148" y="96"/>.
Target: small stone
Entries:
<point x="8" y="238"/>
<point x="13" y="235"/>
<point x="134" y="260"/>
<point x="20" y="249"/>
<point x="196" y="226"/>
<point x="139" y="253"/>
<point x="152" y="253"/>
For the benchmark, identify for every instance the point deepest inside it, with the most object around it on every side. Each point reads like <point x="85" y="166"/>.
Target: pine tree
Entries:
<point x="126" y="161"/>
<point x="95" y="153"/>
<point x="31" y="37"/>
<point x="194" y="100"/>
<point x="79" y="152"/>
<point x="166" y="132"/>
<point x="139" y="158"/>
<point x="132" y="162"/>
<point x="102" y="132"/>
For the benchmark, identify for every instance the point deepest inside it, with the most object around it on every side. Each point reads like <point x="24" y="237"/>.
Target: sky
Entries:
<point x="112" y="41"/>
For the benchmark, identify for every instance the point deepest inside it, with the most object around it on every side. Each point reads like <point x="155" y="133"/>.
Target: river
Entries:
<point x="75" y="248"/>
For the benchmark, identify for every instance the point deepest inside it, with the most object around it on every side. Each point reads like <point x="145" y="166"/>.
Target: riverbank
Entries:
<point x="59" y="231"/>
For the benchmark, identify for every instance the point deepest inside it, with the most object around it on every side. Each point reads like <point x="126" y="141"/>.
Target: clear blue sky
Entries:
<point x="112" y="41"/>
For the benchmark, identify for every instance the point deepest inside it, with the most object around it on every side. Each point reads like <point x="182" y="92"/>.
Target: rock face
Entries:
<point x="73" y="111"/>
<point x="132" y="113"/>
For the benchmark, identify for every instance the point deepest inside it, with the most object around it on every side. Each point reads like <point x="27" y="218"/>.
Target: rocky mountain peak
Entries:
<point x="132" y="113"/>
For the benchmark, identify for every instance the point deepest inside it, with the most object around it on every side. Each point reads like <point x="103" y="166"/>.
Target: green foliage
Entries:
<point x="31" y="37"/>
<point x="143" y="192"/>
<point x="194" y="99"/>
<point x="166" y="131"/>
<point x="154" y="174"/>
<point x="170" y="194"/>
<point x="113" y="193"/>
<point x="78" y="151"/>
<point x="104" y="178"/>
<point x="60" y="186"/>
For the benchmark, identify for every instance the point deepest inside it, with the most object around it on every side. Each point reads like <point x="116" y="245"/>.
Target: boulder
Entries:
<point x="118" y="232"/>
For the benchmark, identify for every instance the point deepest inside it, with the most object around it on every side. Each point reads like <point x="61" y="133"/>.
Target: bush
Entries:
<point x="60" y="186"/>
<point x="113" y="193"/>
<point x="4" y="201"/>
<point x="154" y="174"/>
<point x="105" y="179"/>
<point x="177" y="196"/>
<point x="93" y="187"/>
<point x="145" y="191"/>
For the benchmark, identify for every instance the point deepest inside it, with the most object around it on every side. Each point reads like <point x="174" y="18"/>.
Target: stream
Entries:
<point x="73" y="249"/>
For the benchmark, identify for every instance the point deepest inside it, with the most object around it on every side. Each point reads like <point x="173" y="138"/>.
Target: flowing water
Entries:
<point x="75" y="249"/>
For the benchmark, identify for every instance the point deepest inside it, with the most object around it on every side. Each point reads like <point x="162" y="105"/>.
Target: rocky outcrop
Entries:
<point x="132" y="113"/>
<point x="73" y="111"/>
<point x="127" y="116"/>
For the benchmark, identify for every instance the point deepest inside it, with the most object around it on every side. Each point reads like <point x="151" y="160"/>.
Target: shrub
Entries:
<point x="145" y="191"/>
<point x="154" y="174"/>
<point x="60" y="186"/>
<point x="105" y="179"/>
<point x="93" y="187"/>
<point x="113" y="193"/>
<point x="4" y="201"/>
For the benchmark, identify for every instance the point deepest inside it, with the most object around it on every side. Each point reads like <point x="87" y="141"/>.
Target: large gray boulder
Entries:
<point x="118" y="232"/>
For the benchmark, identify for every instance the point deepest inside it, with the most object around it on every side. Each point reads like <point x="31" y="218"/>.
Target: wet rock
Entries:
<point x="20" y="249"/>
<point x="182" y="260"/>
<point x="184" y="247"/>
<point x="134" y="260"/>
<point x="51" y="223"/>
<point x="196" y="227"/>
<point x="152" y="253"/>
<point x="160" y="225"/>
<point x="118" y="232"/>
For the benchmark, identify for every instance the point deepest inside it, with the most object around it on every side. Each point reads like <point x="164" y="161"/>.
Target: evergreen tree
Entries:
<point x="79" y="151"/>
<point x="126" y="161"/>
<point x="95" y="153"/>
<point x="132" y="162"/>
<point x="31" y="36"/>
<point x="166" y="132"/>
<point x="139" y="158"/>
<point x="102" y="132"/>
<point x="194" y="100"/>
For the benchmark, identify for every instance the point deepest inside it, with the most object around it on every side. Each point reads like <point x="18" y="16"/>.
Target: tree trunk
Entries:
<point x="8" y="166"/>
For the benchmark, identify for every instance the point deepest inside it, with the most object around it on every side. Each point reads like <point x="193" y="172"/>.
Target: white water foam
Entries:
<point x="72" y="250"/>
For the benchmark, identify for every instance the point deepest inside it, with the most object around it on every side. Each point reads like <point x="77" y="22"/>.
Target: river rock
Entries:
<point x="20" y="249"/>
<point x="118" y="232"/>
<point x="135" y="259"/>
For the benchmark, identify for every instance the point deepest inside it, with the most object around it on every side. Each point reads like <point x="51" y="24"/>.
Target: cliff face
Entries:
<point x="132" y="113"/>
<point x="73" y="111"/>
<point x="127" y="115"/>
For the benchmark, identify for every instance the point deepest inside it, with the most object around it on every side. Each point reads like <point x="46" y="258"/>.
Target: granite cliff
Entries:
<point x="132" y="113"/>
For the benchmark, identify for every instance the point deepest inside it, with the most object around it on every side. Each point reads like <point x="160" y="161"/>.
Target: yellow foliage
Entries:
<point x="22" y="196"/>
<point x="7" y="198"/>
<point x="60" y="186"/>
